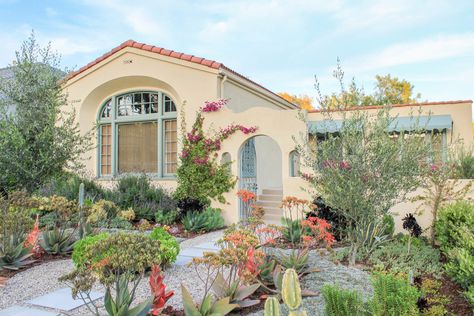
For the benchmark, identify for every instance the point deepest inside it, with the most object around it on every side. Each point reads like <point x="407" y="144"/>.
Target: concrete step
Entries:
<point x="273" y="191"/>
<point x="272" y="217"/>
<point x="273" y="210"/>
<point x="269" y="203"/>
<point x="272" y="222"/>
<point x="269" y="197"/>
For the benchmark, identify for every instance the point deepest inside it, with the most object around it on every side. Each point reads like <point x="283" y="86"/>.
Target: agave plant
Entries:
<point x="58" y="241"/>
<point x="207" y="308"/>
<point x="297" y="260"/>
<point x="13" y="253"/>
<point x="238" y="293"/>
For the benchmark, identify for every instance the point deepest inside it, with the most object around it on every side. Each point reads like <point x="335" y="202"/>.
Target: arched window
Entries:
<point x="294" y="164"/>
<point x="226" y="159"/>
<point x="138" y="133"/>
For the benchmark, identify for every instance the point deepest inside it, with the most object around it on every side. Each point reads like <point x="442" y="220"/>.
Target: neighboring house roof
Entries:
<point x="171" y="53"/>
<point x="396" y="105"/>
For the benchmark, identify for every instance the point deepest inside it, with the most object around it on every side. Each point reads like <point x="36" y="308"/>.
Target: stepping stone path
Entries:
<point x="25" y="311"/>
<point x="61" y="299"/>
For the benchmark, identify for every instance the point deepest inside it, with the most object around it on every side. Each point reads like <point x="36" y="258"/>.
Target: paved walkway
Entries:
<point x="60" y="301"/>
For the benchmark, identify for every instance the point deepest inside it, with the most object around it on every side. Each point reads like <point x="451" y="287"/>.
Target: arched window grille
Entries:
<point x="138" y="134"/>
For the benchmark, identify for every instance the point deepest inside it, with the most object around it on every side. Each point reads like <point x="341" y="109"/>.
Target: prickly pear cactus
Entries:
<point x="272" y="307"/>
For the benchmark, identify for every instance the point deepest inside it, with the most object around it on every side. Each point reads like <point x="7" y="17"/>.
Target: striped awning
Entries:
<point x="428" y="123"/>
<point x="324" y="127"/>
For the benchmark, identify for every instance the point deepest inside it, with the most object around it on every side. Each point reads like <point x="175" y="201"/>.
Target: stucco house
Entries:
<point x="134" y="96"/>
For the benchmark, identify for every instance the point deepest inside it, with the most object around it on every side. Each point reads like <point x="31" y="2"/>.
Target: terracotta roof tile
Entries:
<point x="369" y="107"/>
<point x="166" y="52"/>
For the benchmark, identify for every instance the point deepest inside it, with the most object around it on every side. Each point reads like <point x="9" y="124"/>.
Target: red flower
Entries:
<point x="158" y="289"/>
<point x="246" y="195"/>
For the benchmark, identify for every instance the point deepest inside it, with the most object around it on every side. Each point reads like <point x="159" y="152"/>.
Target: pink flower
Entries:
<point x="434" y="167"/>
<point x="213" y="106"/>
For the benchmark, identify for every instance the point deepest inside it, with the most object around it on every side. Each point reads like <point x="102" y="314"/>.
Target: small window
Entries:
<point x="171" y="146"/>
<point x="106" y="149"/>
<point x="169" y="105"/>
<point x="226" y="160"/>
<point x="294" y="164"/>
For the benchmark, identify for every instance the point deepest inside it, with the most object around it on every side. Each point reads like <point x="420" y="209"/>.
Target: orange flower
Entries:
<point x="246" y="195"/>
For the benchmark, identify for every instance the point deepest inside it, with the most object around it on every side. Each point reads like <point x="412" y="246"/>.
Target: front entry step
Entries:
<point x="270" y="200"/>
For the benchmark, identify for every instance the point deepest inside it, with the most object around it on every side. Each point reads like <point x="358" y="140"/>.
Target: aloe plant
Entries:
<point x="237" y="292"/>
<point x="207" y="308"/>
<point x="58" y="241"/>
<point x="298" y="260"/>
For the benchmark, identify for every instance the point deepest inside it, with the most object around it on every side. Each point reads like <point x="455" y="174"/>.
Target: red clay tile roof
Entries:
<point x="397" y="105"/>
<point x="166" y="52"/>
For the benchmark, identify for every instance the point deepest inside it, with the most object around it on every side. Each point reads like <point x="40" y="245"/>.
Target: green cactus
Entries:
<point x="272" y="307"/>
<point x="291" y="290"/>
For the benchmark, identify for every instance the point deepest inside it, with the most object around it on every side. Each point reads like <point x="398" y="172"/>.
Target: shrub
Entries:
<point x="393" y="295"/>
<point x="394" y="256"/>
<point x="80" y="247"/>
<point x="461" y="265"/>
<point x="67" y="185"/>
<point x="101" y="210"/>
<point x="450" y="221"/>
<point x="138" y="193"/>
<point x="169" y="246"/>
<point x="464" y="164"/>
<point x="166" y="217"/>
<point x="210" y="219"/>
<point x="341" y="302"/>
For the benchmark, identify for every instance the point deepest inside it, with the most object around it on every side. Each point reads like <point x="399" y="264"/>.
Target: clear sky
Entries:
<point x="280" y="44"/>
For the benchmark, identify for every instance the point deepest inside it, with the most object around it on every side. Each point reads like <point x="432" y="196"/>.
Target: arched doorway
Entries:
<point x="260" y="167"/>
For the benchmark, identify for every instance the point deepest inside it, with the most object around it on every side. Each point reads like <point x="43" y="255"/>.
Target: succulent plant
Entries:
<point x="58" y="241"/>
<point x="272" y="307"/>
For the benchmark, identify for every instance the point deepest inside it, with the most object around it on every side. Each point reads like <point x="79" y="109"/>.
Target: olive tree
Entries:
<point x="363" y="170"/>
<point x="41" y="138"/>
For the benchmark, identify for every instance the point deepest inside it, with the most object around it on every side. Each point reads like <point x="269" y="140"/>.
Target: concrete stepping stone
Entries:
<point x="194" y="252"/>
<point x="182" y="260"/>
<point x="25" y="311"/>
<point x="210" y="245"/>
<point x="62" y="299"/>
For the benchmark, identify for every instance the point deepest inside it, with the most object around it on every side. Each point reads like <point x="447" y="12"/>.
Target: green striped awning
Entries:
<point x="428" y="123"/>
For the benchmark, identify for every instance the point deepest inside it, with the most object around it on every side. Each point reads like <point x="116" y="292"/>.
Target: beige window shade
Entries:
<point x="138" y="147"/>
<point x="171" y="146"/>
<point x="106" y="149"/>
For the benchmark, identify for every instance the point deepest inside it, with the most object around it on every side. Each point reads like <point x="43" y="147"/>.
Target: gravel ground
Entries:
<point x="43" y="279"/>
<point x="331" y="273"/>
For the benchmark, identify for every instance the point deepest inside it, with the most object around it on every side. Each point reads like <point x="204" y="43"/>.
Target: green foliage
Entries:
<point x="393" y="296"/>
<point x="169" y="246"/>
<point x="207" y="307"/>
<point x="58" y="241"/>
<point x="394" y="257"/>
<point x="120" y="306"/>
<point x="78" y="255"/>
<point x="364" y="160"/>
<point x="13" y="254"/>
<point x="341" y="302"/>
<point x="451" y="221"/>
<point x="461" y="265"/>
<point x="297" y="260"/>
<point x="464" y="163"/>
<point x="470" y="295"/>
<point x="291" y="293"/>
<point x="210" y="219"/>
<point x="166" y="217"/>
<point x="67" y="185"/>
<point x="118" y="262"/>
<point x="43" y="137"/>
<point x="138" y="193"/>
<point x="116" y="222"/>
<point x="14" y="220"/>
<point x="436" y="302"/>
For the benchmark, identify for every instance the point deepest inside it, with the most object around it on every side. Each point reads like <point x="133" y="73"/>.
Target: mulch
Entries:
<point x="458" y="304"/>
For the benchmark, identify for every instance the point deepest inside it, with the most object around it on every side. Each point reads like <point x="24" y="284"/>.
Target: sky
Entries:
<point x="282" y="45"/>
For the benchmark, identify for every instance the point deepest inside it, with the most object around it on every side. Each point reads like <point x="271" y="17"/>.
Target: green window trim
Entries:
<point x="108" y="114"/>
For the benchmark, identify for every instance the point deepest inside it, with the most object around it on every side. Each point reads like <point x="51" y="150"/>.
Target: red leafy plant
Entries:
<point x="158" y="289"/>
<point x="32" y="240"/>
